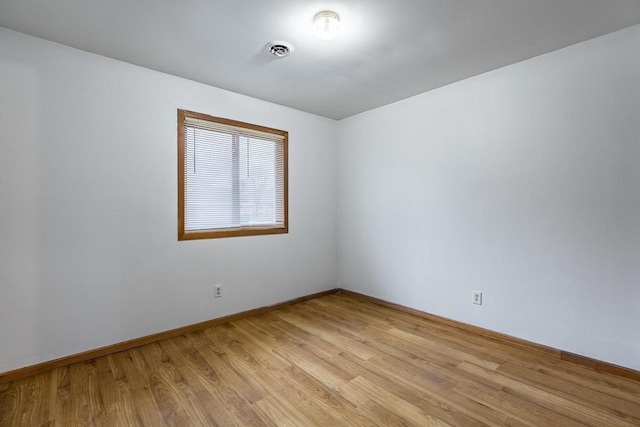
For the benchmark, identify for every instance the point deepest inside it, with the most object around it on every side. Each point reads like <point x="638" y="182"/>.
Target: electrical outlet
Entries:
<point x="476" y="297"/>
<point x="217" y="291"/>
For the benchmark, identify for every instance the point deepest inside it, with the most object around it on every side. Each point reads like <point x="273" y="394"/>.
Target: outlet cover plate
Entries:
<point x="476" y="297"/>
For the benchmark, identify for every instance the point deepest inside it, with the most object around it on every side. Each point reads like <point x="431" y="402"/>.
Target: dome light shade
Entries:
<point x="326" y="24"/>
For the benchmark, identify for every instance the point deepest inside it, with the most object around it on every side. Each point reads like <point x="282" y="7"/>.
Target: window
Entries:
<point x="232" y="178"/>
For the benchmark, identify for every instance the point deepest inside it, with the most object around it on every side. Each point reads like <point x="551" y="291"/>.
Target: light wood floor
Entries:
<point x="331" y="361"/>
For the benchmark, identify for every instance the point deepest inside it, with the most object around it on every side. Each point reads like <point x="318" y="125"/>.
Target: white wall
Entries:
<point x="523" y="183"/>
<point x="88" y="206"/>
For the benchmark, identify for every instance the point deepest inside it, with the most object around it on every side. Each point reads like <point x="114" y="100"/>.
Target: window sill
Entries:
<point x="231" y="232"/>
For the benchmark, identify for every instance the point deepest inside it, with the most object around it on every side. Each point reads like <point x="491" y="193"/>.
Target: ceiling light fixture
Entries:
<point x="326" y="24"/>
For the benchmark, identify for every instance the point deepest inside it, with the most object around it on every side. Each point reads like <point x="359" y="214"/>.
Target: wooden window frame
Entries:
<point x="226" y="232"/>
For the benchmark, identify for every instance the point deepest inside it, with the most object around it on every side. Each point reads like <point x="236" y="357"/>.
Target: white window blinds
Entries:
<point x="234" y="177"/>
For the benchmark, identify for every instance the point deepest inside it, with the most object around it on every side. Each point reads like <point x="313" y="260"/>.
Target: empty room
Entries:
<point x="320" y="213"/>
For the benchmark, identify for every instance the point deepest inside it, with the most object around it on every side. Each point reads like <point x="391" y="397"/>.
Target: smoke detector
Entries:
<point x="280" y="49"/>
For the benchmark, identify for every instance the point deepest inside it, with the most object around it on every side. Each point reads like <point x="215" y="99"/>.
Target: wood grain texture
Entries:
<point x="598" y="365"/>
<point x="465" y="326"/>
<point x="335" y="360"/>
<point x="136" y="342"/>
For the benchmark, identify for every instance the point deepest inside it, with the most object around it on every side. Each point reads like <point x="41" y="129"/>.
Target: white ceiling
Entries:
<point x="387" y="50"/>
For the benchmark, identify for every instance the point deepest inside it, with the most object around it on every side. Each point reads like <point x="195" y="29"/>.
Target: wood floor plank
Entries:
<point x="514" y="408"/>
<point x="334" y="360"/>
<point x="397" y="405"/>
<point x="495" y="350"/>
<point x="115" y="393"/>
<point x="134" y="377"/>
<point x="554" y="401"/>
<point x="235" y="400"/>
<point x="584" y="395"/>
<point x="277" y="417"/>
<point x="431" y="395"/>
